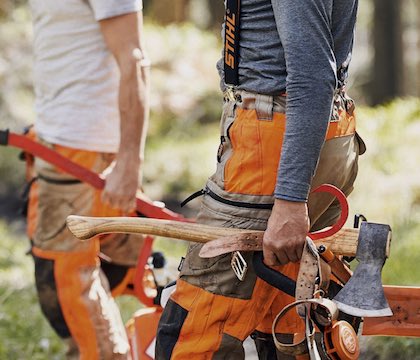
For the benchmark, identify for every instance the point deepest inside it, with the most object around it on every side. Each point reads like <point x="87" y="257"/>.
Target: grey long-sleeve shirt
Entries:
<point x="296" y="46"/>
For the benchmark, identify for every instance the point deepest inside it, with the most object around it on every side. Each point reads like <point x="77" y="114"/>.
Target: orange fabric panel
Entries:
<point x="142" y="330"/>
<point x="346" y="125"/>
<point x="291" y="322"/>
<point x="206" y="313"/>
<point x="83" y="158"/>
<point x="256" y="147"/>
<point x="67" y="277"/>
<point x="213" y="315"/>
<point x="256" y="144"/>
<point x="32" y="215"/>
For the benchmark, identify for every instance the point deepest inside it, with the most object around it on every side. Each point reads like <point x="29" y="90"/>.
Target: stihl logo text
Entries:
<point x="230" y="41"/>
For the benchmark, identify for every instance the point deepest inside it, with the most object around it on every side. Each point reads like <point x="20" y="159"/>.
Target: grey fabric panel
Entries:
<point x="230" y="348"/>
<point x="48" y="297"/>
<point x="338" y="165"/>
<point x="169" y="328"/>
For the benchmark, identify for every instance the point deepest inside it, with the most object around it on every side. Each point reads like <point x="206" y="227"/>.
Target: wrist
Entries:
<point x="288" y="206"/>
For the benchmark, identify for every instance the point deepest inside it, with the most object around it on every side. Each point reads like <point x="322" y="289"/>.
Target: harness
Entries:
<point x="231" y="45"/>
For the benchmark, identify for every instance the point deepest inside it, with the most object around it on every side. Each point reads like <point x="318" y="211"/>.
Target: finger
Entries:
<point x="293" y="257"/>
<point x="111" y="201"/>
<point x="270" y="258"/>
<point x="299" y="252"/>
<point x="127" y="207"/>
<point x="131" y="207"/>
<point x="282" y="258"/>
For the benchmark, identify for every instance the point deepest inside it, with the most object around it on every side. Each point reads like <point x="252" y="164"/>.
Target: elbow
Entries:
<point x="302" y="83"/>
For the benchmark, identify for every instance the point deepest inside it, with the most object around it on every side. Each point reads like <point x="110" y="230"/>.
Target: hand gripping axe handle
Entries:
<point x="283" y="282"/>
<point x="363" y="294"/>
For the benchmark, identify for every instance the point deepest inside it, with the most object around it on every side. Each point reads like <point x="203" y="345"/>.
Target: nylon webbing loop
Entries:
<point x="231" y="51"/>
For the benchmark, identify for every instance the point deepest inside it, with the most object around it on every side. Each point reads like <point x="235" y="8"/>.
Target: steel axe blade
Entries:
<point x="363" y="294"/>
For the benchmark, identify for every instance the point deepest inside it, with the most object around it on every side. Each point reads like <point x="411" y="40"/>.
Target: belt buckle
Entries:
<point x="239" y="265"/>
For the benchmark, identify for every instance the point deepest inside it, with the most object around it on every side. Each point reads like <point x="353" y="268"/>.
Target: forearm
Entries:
<point x="123" y="37"/>
<point x="307" y="121"/>
<point x="134" y="111"/>
<point x="305" y="33"/>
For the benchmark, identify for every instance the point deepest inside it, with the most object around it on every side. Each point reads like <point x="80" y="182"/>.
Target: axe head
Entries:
<point x="363" y="294"/>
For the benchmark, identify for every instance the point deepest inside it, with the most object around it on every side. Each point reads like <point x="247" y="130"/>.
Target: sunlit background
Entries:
<point x="183" y="40"/>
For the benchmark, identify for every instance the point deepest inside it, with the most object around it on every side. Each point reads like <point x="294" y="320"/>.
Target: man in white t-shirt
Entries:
<point x="90" y="76"/>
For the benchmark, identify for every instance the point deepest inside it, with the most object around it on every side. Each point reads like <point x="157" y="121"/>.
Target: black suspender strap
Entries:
<point x="231" y="52"/>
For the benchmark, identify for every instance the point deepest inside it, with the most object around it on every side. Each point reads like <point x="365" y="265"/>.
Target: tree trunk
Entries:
<point x="169" y="11"/>
<point x="388" y="51"/>
<point x="217" y="13"/>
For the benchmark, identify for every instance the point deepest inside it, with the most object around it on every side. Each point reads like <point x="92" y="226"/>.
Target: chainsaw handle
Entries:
<point x="271" y="276"/>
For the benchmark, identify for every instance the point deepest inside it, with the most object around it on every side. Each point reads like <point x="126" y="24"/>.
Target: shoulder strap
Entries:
<point x="231" y="47"/>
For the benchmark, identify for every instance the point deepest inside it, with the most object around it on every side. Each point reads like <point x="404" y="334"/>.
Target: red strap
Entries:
<point x="146" y="207"/>
<point x="139" y="289"/>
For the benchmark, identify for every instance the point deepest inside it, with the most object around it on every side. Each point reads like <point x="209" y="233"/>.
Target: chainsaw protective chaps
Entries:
<point x="74" y="293"/>
<point x="218" y="310"/>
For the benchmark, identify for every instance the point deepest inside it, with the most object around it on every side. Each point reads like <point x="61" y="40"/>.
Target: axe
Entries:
<point x="405" y="301"/>
<point x="362" y="295"/>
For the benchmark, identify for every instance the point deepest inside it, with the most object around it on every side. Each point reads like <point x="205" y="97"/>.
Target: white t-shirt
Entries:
<point x="76" y="77"/>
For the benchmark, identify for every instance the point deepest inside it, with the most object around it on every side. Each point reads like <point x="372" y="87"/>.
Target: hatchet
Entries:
<point x="405" y="301"/>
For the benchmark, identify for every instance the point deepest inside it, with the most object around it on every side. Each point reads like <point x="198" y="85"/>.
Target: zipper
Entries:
<point x="207" y="191"/>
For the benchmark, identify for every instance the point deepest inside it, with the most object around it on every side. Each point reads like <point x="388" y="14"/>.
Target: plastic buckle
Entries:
<point x="229" y="94"/>
<point x="239" y="265"/>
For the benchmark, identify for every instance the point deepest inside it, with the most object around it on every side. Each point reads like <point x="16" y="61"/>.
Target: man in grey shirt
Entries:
<point x="92" y="108"/>
<point x="287" y="126"/>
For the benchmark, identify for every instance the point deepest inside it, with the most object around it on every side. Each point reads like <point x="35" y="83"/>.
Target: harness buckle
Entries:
<point x="229" y="93"/>
<point x="239" y="265"/>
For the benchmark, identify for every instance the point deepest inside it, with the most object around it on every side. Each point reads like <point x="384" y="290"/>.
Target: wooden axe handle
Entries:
<point x="84" y="227"/>
<point x="342" y="243"/>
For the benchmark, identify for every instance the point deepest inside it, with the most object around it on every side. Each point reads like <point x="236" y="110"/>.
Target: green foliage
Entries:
<point x="177" y="165"/>
<point x="387" y="191"/>
<point x="387" y="188"/>
<point x="180" y="155"/>
<point x="24" y="333"/>
<point x="184" y="89"/>
<point x="390" y="348"/>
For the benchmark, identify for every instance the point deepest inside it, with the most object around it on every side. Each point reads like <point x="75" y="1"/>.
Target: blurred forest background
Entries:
<point x="183" y="40"/>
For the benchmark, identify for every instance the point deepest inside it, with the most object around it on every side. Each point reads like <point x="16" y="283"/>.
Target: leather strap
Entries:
<point x="310" y="338"/>
<point x="311" y="268"/>
<point x="301" y="347"/>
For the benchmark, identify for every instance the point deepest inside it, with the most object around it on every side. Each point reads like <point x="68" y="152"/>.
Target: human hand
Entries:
<point x="121" y="184"/>
<point x="286" y="232"/>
